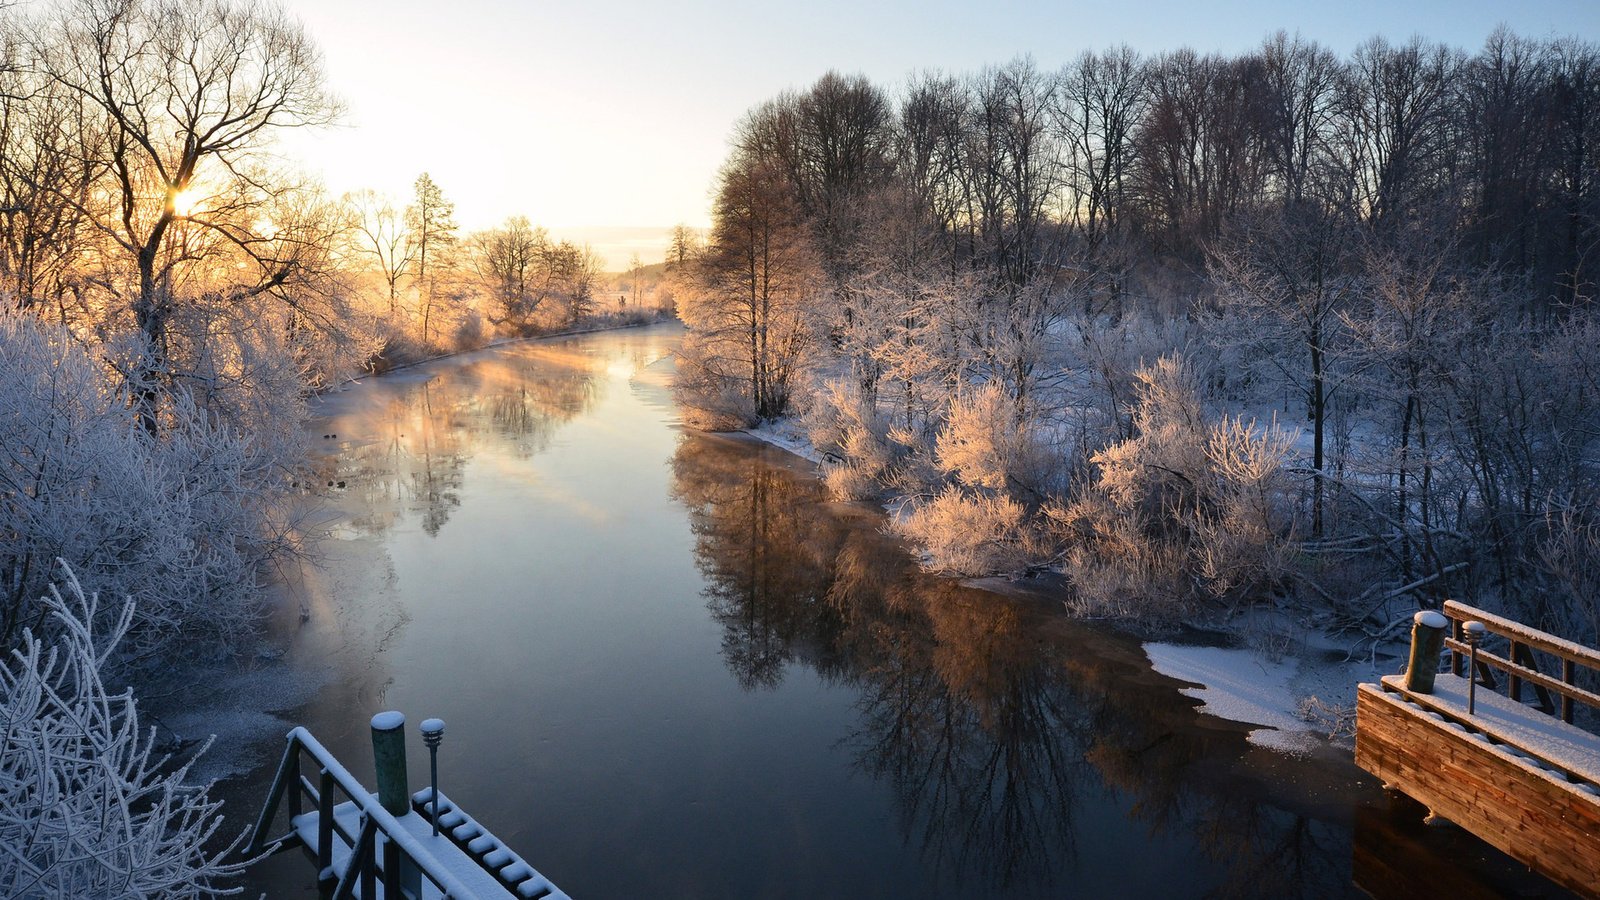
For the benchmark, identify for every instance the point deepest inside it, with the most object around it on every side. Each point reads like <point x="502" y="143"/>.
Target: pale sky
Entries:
<point x="605" y="120"/>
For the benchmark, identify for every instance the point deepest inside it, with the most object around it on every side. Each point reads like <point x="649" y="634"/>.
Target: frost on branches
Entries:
<point x="86" y="808"/>
<point x="179" y="523"/>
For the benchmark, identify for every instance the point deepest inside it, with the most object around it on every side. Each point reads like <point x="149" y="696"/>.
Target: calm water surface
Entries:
<point x="670" y="667"/>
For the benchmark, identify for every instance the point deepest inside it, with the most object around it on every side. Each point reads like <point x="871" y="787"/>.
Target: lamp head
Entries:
<point x="432" y="731"/>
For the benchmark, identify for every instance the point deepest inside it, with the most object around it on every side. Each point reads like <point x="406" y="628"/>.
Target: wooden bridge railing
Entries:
<point x="1524" y="779"/>
<point x="1519" y="663"/>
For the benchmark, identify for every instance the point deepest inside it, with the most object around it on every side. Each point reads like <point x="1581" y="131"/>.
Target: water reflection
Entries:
<point x="745" y="690"/>
<point x="1003" y="732"/>
<point x="421" y="432"/>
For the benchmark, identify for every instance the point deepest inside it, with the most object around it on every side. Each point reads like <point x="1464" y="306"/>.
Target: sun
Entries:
<point x="185" y="202"/>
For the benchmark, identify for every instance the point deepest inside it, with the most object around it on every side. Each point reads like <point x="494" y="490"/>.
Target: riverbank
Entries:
<point x="1291" y="678"/>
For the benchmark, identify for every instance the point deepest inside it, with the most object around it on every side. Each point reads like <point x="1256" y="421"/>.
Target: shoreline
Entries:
<point x="1290" y="686"/>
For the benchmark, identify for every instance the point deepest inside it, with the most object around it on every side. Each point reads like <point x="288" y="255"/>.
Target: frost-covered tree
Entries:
<point x="759" y="274"/>
<point x="178" y="99"/>
<point x="431" y="228"/>
<point x="180" y="522"/>
<point x="88" y="808"/>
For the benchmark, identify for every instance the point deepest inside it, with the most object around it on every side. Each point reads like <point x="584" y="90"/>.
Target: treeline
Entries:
<point x="170" y="290"/>
<point x="1199" y="330"/>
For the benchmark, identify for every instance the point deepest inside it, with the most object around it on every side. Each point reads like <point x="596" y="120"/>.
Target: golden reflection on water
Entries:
<point x="1001" y="729"/>
<point x="1009" y="737"/>
<point x="421" y="434"/>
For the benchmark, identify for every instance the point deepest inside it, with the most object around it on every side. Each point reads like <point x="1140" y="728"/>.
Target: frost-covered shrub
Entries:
<point x="469" y="332"/>
<point x="179" y="521"/>
<point x="853" y="438"/>
<point x="1116" y="569"/>
<point x="87" y="809"/>
<point x="1245" y="543"/>
<point x="968" y="533"/>
<point x="1183" y="511"/>
<point x="987" y="443"/>
<point x="709" y="399"/>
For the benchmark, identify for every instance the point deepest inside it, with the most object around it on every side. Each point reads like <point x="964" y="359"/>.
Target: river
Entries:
<point x="670" y="666"/>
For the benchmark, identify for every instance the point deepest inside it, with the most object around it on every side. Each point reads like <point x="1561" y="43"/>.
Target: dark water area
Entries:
<point x="671" y="666"/>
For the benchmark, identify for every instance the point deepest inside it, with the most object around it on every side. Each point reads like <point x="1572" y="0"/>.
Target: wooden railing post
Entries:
<point x="389" y="757"/>
<point x="359" y="869"/>
<point x="274" y="797"/>
<point x="1427" y="639"/>
<point x="392" y="876"/>
<point x="1567" y="676"/>
<point x="1456" y="661"/>
<point x="1517" y="653"/>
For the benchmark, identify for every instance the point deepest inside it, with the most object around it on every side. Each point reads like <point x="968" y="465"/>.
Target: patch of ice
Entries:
<point x="1240" y="686"/>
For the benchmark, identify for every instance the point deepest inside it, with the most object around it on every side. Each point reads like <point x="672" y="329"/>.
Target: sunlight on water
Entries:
<point x="672" y="667"/>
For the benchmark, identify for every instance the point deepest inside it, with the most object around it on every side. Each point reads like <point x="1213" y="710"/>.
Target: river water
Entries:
<point x="671" y="667"/>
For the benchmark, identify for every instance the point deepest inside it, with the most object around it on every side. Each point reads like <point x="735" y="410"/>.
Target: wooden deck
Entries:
<point x="1521" y="779"/>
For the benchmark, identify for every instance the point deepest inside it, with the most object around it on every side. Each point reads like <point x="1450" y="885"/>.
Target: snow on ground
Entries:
<point x="1249" y="687"/>
<point x="787" y="434"/>
<point x="1241" y="686"/>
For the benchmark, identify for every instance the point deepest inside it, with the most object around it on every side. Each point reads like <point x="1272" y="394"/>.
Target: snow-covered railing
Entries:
<point x="461" y="829"/>
<point x="1519" y="663"/>
<point x="402" y="851"/>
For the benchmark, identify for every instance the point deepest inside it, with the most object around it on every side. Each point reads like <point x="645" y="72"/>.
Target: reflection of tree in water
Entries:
<point x="958" y="709"/>
<point x="993" y="723"/>
<point x="422" y="438"/>
<point x="968" y="722"/>
<point x="766" y="580"/>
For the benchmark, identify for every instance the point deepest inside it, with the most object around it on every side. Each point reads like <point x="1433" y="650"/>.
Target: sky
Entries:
<point x="606" y="120"/>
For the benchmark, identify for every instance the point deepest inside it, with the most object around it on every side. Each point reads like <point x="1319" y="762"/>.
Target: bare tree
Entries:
<point x="1099" y="102"/>
<point x="382" y="235"/>
<point x="187" y="92"/>
<point x="749" y="325"/>
<point x="1299" y="94"/>
<point x="510" y="262"/>
<point x="685" y="243"/>
<point x="1395" y="132"/>
<point x="1285" y="282"/>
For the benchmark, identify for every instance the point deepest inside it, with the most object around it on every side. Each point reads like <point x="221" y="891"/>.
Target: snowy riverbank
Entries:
<point x="1298" y="691"/>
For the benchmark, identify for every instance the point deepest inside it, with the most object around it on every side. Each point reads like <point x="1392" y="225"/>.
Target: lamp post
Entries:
<point x="433" y="736"/>
<point x="1473" y="632"/>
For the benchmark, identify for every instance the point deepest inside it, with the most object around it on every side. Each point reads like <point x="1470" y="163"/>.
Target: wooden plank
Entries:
<point x="1554" y="743"/>
<point x="1536" y="678"/>
<point x="1533" y="637"/>
<point x="1536" y="818"/>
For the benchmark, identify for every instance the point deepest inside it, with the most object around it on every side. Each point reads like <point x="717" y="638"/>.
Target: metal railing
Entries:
<point x="402" y="853"/>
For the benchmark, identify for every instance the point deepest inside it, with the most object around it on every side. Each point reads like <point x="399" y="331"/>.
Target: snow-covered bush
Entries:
<point x="854" y="439"/>
<point x="709" y="399"/>
<point x="965" y="533"/>
<point x="87" y="809"/>
<point x="179" y="521"/>
<point x="1184" y="511"/>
